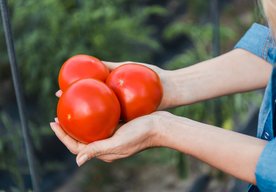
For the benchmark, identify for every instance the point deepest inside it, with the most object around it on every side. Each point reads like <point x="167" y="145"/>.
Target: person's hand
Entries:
<point x="130" y="138"/>
<point x="168" y="88"/>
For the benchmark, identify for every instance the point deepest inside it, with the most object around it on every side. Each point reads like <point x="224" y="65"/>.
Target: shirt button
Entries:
<point x="266" y="135"/>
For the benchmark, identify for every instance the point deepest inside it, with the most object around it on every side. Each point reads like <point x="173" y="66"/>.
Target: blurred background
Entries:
<point x="170" y="33"/>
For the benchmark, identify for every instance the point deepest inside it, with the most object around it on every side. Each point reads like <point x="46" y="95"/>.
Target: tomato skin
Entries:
<point x="81" y="67"/>
<point x="88" y="111"/>
<point x="138" y="89"/>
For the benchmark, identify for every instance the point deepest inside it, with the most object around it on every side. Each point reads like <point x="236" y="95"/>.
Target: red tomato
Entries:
<point x="81" y="67"/>
<point x="138" y="89"/>
<point x="88" y="111"/>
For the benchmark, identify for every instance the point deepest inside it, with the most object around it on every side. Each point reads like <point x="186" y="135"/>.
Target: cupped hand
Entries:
<point x="130" y="138"/>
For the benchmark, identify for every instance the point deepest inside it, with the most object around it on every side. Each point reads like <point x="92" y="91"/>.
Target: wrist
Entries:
<point x="161" y="129"/>
<point x="169" y="87"/>
<point x="179" y="87"/>
<point x="171" y="130"/>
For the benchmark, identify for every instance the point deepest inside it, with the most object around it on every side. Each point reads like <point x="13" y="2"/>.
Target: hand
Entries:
<point x="168" y="88"/>
<point x="130" y="138"/>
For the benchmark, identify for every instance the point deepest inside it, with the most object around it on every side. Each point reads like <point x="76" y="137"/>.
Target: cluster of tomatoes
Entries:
<point x="94" y="100"/>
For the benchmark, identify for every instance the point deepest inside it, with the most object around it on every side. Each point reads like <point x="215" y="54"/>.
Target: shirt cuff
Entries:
<point x="266" y="168"/>
<point x="255" y="40"/>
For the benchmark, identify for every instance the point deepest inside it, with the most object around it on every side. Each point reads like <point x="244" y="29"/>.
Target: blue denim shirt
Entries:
<point x="258" y="40"/>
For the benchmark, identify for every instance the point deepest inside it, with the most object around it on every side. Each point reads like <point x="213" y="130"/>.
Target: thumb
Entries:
<point x="113" y="65"/>
<point x="58" y="93"/>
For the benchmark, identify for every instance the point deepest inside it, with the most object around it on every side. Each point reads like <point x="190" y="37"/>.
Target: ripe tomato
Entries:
<point x="88" y="111"/>
<point x="138" y="89"/>
<point x="81" y="67"/>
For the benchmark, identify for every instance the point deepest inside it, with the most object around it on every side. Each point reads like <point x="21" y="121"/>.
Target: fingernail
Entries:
<point x="58" y="93"/>
<point x="53" y="126"/>
<point x="56" y="120"/>
<point x="82" y="159"/>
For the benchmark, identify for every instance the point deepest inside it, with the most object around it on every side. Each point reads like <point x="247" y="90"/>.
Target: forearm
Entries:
<point x="236" y="71"/>
<point x="231" y="152"/>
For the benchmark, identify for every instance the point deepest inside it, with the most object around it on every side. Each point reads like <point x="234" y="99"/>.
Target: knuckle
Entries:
<point x="161" y="113"/>
<point x="127" y="62"/>
<point x="94" y="150"/>
<point x="74" y="151"/>
<point x="108" y="160"/>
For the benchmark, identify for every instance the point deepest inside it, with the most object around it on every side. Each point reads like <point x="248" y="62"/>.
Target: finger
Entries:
<point x="56" y="120"/>
<point x="93" y="150"/>
<point x="58" y="93"/>
<point x="107" y="160"/>
<point x="111" y="157"/>
<point x="68" y="141"/>
<point x="113" y="65"/>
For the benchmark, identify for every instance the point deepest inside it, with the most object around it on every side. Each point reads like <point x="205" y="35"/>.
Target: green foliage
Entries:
<point x="197" y="7"/>
<point x="10" y="142"/>
<point x="201" y="37"/>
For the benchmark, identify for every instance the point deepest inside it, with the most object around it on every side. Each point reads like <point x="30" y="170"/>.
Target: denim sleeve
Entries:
<point x="258" y="41"/>
<point x="266" y="168"/>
